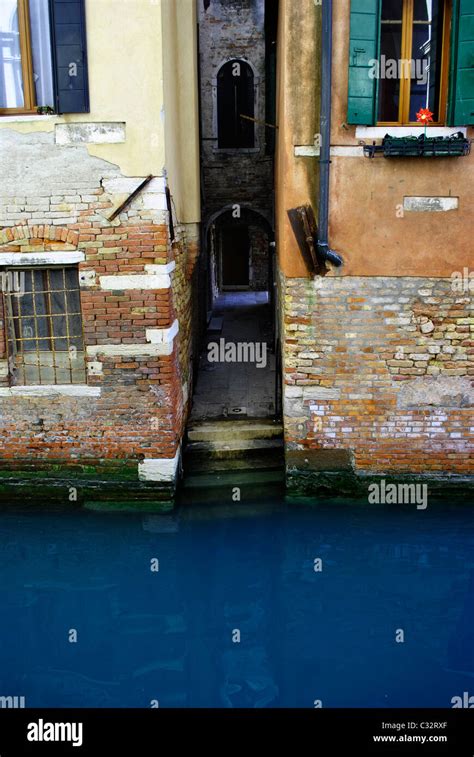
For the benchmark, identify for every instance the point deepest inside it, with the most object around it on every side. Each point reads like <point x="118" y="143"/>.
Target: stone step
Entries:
<point x="233" y="430"/>
<point x="257" y="456"/>
<point x="226" y="479"/>
<point x="204" y="464"/>
<point x="215" y="324"/>
<point x="234" y="445"/>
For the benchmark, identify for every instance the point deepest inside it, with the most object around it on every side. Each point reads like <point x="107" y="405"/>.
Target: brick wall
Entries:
<point x="378" y="375"/>
<point x="258" y="259"/>
<point x="229" y="31"/>
<point x="141" y="411"/>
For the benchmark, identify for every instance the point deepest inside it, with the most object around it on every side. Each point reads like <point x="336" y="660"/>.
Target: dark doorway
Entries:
<point x="235" y="249"/>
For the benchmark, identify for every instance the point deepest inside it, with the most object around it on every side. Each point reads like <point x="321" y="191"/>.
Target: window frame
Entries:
<point x="215" y="120"/>
<point x="406" y="54"/>
<point x="29" y="95"/>
<point x="11" y="338"/>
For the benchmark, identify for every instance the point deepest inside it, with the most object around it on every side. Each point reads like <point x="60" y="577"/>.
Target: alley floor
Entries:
<point x="237" y="389"/>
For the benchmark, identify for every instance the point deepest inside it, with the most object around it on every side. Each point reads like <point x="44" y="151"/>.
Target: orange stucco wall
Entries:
<point x="366" y="196"/>
<point x="298" y="76"/>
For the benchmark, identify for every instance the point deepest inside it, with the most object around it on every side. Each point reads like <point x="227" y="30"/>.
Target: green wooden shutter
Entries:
<point x="363" y="48"/>
<point x="461" y="95"/>
<point x="68" y="27"/>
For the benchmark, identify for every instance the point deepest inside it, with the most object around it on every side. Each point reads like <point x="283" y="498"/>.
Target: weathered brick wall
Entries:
<point x="140" y="413"/>
<point x="233" y="30"/>
<point x="258" y="259"/>
<point x="381" y="369"/>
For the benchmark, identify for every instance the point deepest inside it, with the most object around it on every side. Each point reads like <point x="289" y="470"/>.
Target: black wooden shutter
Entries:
<point x="68" y="39"/>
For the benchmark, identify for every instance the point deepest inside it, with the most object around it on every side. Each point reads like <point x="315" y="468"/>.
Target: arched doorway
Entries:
<point x="239" y="248"/>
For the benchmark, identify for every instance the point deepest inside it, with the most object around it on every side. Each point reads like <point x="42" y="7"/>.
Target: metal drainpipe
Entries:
<point x="325" y="131"/>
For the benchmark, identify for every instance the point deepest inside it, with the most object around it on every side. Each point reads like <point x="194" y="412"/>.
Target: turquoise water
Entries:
<point x="170" y="635"/>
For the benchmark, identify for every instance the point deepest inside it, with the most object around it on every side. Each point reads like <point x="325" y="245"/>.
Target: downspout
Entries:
<point x="325" y="130"/>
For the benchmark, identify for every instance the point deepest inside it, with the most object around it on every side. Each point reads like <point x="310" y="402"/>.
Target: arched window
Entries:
<point x="235" y="98"/>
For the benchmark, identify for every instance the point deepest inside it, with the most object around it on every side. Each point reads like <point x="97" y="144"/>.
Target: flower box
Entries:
<point x="423" y="146"/>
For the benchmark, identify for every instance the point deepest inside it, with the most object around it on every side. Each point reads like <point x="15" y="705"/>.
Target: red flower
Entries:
<point x="424" y="115"/>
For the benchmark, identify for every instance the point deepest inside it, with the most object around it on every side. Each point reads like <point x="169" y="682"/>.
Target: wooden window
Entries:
<point x="413" y="60"/>
<point x="25" y="55"/>
<point x="431" y="42"/>
<point x="45" y="342"/>
<point x="43" y="57"/>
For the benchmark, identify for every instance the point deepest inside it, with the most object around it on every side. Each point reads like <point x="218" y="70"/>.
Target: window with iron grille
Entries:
<point x="44" y="328"/>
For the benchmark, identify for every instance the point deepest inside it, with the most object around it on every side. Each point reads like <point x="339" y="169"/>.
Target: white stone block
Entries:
<point x="135" y="281"/>
<point x="162" y="336"/>
<point x="292" y="392"/>
<point x="430" y="204"/>
<point x="94" y="368"/>
<point x="87" y="279"/>
<point x="98" y="133"/>
<point x="160" y="270"/>
<point x="153" y="200"/>
<point x="320" y="393"/>
<point x="159" y="469"/>
<point x="127" y="185"/>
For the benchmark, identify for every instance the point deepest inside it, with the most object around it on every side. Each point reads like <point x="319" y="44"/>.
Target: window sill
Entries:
<point x="379" y="132"/>
<point x="25" y="119"/>
<point x="53" y="390"/>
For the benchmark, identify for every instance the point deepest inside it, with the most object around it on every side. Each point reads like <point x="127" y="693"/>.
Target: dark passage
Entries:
<point x="237" y="388"/>
<point x="235" y="257"/>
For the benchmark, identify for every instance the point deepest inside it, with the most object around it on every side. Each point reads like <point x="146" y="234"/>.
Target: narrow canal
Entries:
<point x="248" y="605"/>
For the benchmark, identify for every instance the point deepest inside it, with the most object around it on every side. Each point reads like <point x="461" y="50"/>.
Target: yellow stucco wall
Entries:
<point x="296" y="179"/>
<point x="181" y="106"/>
<point x="125" y="83"/>
<point x="142" y="68"/>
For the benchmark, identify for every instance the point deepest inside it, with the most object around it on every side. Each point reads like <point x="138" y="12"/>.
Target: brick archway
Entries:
<point x="39" y="236"/>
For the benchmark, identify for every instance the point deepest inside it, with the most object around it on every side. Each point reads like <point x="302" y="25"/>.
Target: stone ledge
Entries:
<point x="161" y="342"/>
<point x="129" y="350"/>
<point x="51" y="390"/>
<point x="40" y="258"/>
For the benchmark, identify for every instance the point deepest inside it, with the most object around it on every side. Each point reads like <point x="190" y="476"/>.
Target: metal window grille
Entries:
<point x="45" y="340"/>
